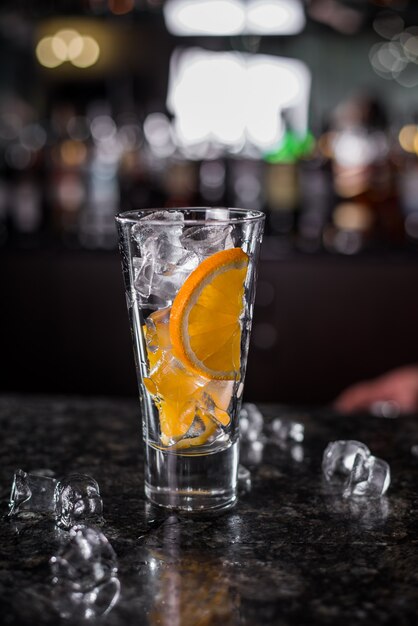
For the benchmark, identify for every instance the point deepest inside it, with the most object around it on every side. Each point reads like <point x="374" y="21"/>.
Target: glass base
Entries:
<point x="192" y="482"/>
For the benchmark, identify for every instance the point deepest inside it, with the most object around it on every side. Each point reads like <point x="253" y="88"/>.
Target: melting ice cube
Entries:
<point x="339" y="456"/>
<point x="360" y="473"/>
<point x="145" y="228"/>
<point x="162" y="269"/>
<point x="208" y="239"/>
<point x="77" y="498"/>
<point x="369" y="477"/>
<point x="32" y="493"/>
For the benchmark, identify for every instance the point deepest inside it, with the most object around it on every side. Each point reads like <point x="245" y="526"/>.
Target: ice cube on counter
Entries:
<point x="359" y="472"/>
<point x="369" y="477"/>
<point x="286" y="429"/>
<point x="338" y="458"/>
<point x="32" y="493"/>
<point x="77" y="499"/>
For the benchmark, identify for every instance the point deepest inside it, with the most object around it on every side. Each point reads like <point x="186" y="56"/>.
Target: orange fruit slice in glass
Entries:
<point x="205" y="329"/>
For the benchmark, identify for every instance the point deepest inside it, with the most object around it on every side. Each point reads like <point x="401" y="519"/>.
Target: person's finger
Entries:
<point x="359" y="397"/>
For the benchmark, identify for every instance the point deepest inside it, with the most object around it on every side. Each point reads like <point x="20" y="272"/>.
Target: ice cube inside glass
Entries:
<point x="190" y="277"/>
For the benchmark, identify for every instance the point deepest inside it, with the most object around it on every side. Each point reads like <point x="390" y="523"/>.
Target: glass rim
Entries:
<point x="239" y="216"/>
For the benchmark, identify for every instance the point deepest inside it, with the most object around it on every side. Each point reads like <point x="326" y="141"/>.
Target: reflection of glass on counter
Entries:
<point x="189" y="589"/>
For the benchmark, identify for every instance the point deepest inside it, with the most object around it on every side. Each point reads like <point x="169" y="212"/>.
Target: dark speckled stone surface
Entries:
<point x="288" y="554"/>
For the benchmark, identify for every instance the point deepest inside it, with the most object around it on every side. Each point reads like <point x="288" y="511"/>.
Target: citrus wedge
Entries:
<point x="205" y="328"/>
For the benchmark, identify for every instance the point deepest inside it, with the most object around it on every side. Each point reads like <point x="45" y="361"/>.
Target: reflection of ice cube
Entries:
<point x="89" y="605"/>
<point x="251" y="452"/>
<point x="369" y="477"/>
<point x="208" y="239"/>
<point x="77" y="498"/>
<point x="284" y="429"/>
<point x="86" y="561"/>
<point x="31" y="493"/>
<point x="244" y="479"/>
<point x="338" y="458"/>
<point x="250" y="422"/>
<point x="369" y="512"/>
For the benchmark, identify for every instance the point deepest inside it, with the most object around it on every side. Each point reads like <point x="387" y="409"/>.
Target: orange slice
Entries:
<point x="205" y="328"/>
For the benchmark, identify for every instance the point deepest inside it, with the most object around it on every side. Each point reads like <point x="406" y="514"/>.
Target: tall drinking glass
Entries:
<point x="190" y="277"/>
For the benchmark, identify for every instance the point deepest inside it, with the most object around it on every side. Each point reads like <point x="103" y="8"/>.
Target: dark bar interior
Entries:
<point x="330" y="155"/>
<point x="292" y="500"/>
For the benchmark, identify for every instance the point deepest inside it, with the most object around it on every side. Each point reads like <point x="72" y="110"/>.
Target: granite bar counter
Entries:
<point x="289" y="553"/>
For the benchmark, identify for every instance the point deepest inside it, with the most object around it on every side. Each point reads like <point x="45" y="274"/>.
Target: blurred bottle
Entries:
<point x="281" y="198"/>
<point x="68" y="157"/>
<point x="180" y="182"/>
<point x="282" y="182"/>
<point x="317" y="199"/>
<point x="364" y="179"/>
<point x="405" y="158"/>
<point x="350" y="229"/>
<point x="212" y="182"/>
<point x="245" y="183"/>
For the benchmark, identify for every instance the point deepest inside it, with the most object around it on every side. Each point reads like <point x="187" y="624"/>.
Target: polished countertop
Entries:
<point x="289" y="553"/>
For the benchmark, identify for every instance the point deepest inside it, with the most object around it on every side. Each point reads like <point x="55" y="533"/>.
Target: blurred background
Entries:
<point x="305" y="109"/>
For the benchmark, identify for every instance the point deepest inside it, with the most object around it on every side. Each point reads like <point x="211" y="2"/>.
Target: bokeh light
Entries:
<point x="82" y="51"/>
<point x="408" y="138"/>
<point x="230" y="99"/>
<point x="45" y="53"/>
<point x="89" y="53"/>
<point x="121" y="7"/>
<point x="388" y="24"/>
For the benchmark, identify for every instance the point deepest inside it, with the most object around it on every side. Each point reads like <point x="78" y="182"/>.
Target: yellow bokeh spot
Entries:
<point x="68" y="45"/>
<point x="75" y="47"/>
<point x="73" y="153"/>
<point x="61" y="42"/>
<point x="45" y="53"/>
<point x="408" y="138"/>
<point x="59" y="48"/>
<point x="67" y="35"/>
<point x="89" y="53"/>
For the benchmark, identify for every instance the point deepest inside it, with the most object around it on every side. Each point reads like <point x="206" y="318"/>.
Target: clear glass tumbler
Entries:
<point x="190" y="277"/>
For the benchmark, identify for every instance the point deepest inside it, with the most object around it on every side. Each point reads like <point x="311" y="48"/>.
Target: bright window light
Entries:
<point x="230" y="100"/>
<point x="275" y="17"/>
<point x="234" y="17"/>
<point x="204" y="17"/>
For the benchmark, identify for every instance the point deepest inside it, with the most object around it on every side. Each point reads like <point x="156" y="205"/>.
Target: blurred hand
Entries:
<point x="398" y="387"/>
